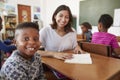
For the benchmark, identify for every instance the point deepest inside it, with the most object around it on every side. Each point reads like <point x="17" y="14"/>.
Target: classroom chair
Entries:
<point x="81" y="38"/>
<point x="96" y="48"/>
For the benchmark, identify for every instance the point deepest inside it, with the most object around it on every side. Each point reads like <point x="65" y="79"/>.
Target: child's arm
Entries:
<point x="57" y="55"/>
<point x="115" y="45"/>
<point x="6" y="48"/>
<point x="117" y="51"/>
<point x="7" y="42"/>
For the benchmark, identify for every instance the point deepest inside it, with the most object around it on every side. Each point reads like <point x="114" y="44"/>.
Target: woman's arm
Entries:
<point x="57" y="55"/>
<point x="76" y="47"/>
<point x="78" y="50"/>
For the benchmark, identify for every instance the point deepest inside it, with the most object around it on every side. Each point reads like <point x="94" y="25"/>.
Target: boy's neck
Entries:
<point x="25" y="56"/>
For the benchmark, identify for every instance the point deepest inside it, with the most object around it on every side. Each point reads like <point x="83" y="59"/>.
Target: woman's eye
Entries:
<point x="67" y="17"/>
<point x="60" y="15"/>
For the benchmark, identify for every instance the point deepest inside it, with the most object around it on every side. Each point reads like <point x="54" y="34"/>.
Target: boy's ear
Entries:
<point x="100" y="25"/>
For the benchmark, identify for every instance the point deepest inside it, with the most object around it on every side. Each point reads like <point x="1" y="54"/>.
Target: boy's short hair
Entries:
<point x="106" y="20"/>
<point x="26" y="25"/>
<point x="87" y="25"/>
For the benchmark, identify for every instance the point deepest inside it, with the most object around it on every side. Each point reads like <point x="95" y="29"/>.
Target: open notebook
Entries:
<point x="80" y="59"/>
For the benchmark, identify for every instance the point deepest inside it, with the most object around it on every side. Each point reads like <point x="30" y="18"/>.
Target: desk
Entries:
<point x="101" y="69"/>
<point x="81" y="40"/>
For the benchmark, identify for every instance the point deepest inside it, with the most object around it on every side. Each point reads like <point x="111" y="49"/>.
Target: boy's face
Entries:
<point x="27" y="42"/>
<point x="84" y="29"/>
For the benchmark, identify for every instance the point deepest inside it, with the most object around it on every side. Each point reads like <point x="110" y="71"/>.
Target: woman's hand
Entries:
<point x="78" y="50"/>
<point x="62" y="56"/>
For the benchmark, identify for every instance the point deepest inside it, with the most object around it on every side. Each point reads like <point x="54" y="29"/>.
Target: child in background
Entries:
<point x="86" y="30"/>
<point x="24" y="63"/>
<point x="103" y="37"/>
<point x="5" y="45"/>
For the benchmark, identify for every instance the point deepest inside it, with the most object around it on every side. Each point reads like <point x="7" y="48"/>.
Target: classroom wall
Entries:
<point x="31" y="3"/>
<point x="48" y="7"/>
<point x="91" y="10"/>
<point x="112" y="30"/>
<point x="51" y="5"/>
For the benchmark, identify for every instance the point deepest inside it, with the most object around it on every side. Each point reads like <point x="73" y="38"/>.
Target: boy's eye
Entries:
<point x="26" y="38"/>
<point x="36" y="39"/>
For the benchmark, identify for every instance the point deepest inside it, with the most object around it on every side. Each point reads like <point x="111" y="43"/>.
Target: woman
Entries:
<point x="59" y="36"/>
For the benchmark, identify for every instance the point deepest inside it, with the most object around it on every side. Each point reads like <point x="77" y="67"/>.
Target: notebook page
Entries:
<point x="80" y="59"/>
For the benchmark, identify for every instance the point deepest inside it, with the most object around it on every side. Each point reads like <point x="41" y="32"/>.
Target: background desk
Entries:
<point x="101" y="69"/>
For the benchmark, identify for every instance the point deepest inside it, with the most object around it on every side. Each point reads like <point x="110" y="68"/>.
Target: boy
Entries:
<point x="103" y="37"/>
<point x="24" y="63"/>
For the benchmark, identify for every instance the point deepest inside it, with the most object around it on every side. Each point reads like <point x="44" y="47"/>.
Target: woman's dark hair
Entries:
<point x="68" y="27"/>
<point x="25" y="25"/>
<point x="87" y="25"/>
<point x="0" y="20"/>
<point x="106" y="20"/>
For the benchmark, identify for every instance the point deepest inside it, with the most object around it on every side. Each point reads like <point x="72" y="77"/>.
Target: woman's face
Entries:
<point x="62" y="18"/>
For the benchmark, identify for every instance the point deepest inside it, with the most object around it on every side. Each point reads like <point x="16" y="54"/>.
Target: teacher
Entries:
<point x="59" y="36"/>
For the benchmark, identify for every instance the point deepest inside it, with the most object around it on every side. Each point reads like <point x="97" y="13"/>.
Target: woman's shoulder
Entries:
<point x="47" y="28"/>
<point x="74" y="33"/>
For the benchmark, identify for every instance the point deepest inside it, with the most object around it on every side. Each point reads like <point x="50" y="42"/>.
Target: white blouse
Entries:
<point x="51" y="41"/>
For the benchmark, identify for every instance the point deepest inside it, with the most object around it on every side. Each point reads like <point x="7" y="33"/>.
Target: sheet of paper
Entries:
<point x="80" y="59"/>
